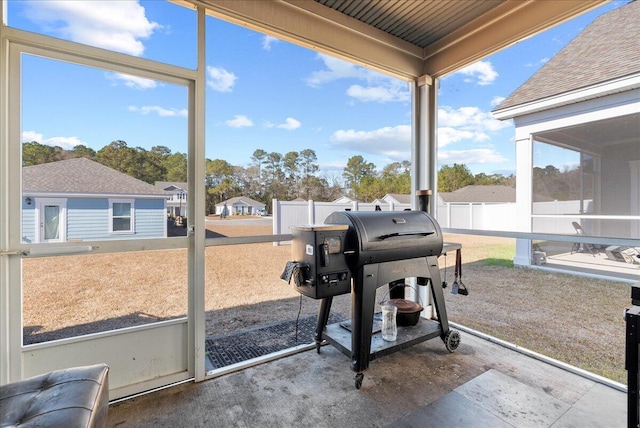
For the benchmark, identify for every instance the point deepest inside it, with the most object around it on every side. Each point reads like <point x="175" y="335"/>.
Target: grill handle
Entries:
<point x="393" y="235"/>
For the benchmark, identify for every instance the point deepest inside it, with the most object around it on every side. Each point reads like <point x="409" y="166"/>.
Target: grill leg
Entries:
<point x="438" y="294"/>
<point x="363" y="304"/>
<point x="323" y="317"/>
<point x="632" y="364"/>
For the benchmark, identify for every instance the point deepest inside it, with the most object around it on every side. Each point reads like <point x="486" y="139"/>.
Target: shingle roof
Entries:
<point x="240" y="199"/>
<point x="83" y="176"/>
<point x="171" y="186"/>
<point x="607" y="49"/>
<point x="480" y="194"/>
<point x="400" y="197"/>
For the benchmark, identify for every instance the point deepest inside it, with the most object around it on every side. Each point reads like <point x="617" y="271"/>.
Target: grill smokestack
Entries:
<point x="423" y="199"/>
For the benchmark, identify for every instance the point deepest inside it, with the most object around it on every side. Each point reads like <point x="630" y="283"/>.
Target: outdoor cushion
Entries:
<point x="74" y="397"/>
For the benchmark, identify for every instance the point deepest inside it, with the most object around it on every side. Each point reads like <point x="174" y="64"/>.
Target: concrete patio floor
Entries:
<point x="482" y="384"/>
<point x="597" y="264"/>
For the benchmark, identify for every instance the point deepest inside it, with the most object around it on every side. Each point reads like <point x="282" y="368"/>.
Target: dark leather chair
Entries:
<point x="70" y="398"/>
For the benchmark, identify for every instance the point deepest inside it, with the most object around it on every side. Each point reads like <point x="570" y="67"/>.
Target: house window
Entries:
<point x="121" y="216"/>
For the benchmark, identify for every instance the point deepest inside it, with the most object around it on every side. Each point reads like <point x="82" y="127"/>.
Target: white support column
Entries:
<point x="11" y="366"/>
<point x="524" y="197"/>
<point x="196" y="173"/>
<point x="4" y="206"/>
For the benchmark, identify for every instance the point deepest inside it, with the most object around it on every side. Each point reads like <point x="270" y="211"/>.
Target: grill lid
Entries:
<point x="379" y="236"/>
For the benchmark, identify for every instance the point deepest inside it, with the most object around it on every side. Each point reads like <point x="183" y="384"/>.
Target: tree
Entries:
<point x="309" y="167"/>
<point x="291" y="166"/>
<point x="117" y="155"/>
<point x="308" y="162"/>
<point x="258" y="158"/>
<point x="150" y="164"/>
<point x="81" y="151"/>
<point x="34" y="153"/>
<point x="355" y="171"/>
<point x="454" y="177"/>
<point x="175" y="166"/>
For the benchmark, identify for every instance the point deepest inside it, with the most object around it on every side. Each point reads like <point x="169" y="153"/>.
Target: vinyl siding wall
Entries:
<point x="28" y="222"/>
<point x="88" y="220"/>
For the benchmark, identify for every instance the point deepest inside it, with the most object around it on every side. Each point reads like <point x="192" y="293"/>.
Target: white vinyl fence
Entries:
<point x="477" y="216"/>
<point x="294" y="213"/>
<point x="473" y="216"/>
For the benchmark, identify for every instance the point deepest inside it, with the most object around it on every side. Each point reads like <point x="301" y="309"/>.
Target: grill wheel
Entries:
<point x="451" y="340"/>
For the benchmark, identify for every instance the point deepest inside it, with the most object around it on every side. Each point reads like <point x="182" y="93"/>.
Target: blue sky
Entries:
<point x="262" y="93"/>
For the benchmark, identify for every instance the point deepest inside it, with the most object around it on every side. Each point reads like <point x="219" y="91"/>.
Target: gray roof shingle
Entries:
<point x="401" y="197"/>
<point x="171" y="186"/>
<point x="607" y="49"/>
<point x="240" y="199"/>
<point x="83" y="176"/>
<point x="480" y="194"/>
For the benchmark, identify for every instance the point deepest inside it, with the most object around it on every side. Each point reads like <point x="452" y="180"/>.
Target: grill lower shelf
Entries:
<point x="340" y="337"/>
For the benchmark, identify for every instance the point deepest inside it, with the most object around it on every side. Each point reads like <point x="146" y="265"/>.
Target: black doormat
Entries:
<point x="244" y="345"/>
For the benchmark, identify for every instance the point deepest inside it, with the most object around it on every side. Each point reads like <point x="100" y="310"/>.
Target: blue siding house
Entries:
<point x="82" y="200"/>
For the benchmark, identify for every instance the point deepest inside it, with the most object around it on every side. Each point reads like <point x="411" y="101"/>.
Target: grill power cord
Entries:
<point x="295" y="270"/>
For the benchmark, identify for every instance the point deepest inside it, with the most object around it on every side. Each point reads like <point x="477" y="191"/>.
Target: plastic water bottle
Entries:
<point x="389" y="326"/>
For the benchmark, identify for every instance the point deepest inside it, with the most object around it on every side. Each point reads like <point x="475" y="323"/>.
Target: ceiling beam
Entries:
<point x="512" y="21"/>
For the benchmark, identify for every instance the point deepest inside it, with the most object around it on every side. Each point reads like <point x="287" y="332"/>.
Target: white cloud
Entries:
<point x="470" y="157"/>
<point x="470" y="119"/>
<point x="391" y="141"/>
<point x="541" y="62"/>
<point x="134" y="82"/>
<point x="29" y="136"/>
<point x="448" y="135"/>
<point x="336" y="69"/>
<point x="483" y="71"/>
<point x="381" y="94"/>
<point x="160" y="111"/>
<point x="268" y="41"/>
<point x="497" y="100"/>
<point x="220" y="79"/>
<point x="290" y="124"/>
<point x="115" y="25"/>
<point x="379" y="88"/>
<point x="67" y="143"/>
<point x="239" y="121"/>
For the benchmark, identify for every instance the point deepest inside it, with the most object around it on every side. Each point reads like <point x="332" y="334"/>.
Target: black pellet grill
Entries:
<point x="359" y="252"/>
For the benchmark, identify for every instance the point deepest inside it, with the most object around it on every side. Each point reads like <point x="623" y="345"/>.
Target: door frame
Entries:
<point x="140" y="357"/>
<point x="40" y="203"/>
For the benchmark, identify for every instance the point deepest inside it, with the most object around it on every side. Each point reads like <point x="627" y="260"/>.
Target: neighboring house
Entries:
<point x="344" y="200"/>
<point x="177" y="204"/>
<point x="393" y="202"/>
<point x="585" y="101"/>
<point x="397" y="199"/>
<point x="80" y="200"/>
<point x="240" y="205"/>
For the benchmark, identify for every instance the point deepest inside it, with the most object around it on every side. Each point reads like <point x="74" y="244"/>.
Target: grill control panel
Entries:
<point x="320" y="249"/>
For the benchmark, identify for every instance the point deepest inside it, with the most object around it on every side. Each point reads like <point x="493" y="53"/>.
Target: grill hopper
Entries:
<point x="379" y="236"/>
